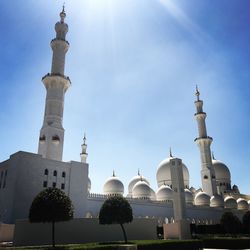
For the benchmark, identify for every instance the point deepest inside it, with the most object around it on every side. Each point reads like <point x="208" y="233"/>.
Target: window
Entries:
<point x="1" y="179"/>
<point x="63" y="174"/>
<point x="55" y="138"/>
<point x="5" y="177"/>
<point x="45" y="184"/>
<point x="62" y="186"/>
<point x="54" y="184"/>
<point x="55" y="173"/>
<point x="46" y="171"/>
<point x="42" y="138"/>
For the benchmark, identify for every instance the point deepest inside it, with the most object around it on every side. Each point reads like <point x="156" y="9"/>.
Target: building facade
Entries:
<point x="25" y="174"/>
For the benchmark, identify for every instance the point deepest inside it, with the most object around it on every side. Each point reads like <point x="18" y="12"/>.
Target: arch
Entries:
<point x="55" y="138"/>
<point x="55" y="173"/>
<point x="46" y="172"/>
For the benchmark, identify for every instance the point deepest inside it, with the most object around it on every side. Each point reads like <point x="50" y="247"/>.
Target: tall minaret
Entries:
<point x="56" y="84"/>
<point x="84" y="153"/>
<point x="204" y="141"/>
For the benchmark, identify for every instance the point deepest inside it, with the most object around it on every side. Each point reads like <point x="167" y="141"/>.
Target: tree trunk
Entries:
<point x="53" y="234"/>
<point x="124" y="233"/>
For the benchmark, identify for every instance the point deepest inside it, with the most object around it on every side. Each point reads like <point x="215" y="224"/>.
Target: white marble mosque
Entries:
<point x="25" y="174"/>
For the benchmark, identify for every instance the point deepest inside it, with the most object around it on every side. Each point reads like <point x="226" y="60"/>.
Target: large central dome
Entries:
<point x="222" y="173"/>
<point x="163" y="174"/>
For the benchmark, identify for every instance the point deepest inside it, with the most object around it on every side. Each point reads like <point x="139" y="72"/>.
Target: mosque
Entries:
<point x="25" y="174"/>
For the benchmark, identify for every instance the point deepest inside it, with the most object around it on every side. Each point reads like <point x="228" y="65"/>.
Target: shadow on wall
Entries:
<point x="81" y="231"/>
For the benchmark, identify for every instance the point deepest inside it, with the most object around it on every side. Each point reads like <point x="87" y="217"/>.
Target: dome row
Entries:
<point x="202" y="199"/>
<point x="139" y="188"/>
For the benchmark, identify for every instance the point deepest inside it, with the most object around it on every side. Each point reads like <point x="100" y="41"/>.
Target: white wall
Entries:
<point x="25" y="180"/>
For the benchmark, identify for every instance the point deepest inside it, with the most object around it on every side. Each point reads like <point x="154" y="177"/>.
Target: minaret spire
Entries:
<point x="63" y="13"/>
<point x="204" y="141"/>
<point x="213" y="155"/>
<point x="56" y="84"/>
<point x="197" y="93"/>
<point x="170" y="153"/>
<point x="84" y="153"/>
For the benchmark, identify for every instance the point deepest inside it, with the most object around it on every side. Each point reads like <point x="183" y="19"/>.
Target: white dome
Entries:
<point x="188" y="196"/>
<point x="202" y="199"/>
<point x="216" y="201"/>
<point x="164" y="193"/>
<point x="141" y="190"/>
<point x="230" y="202"/>
<point x="134" y="180"/>
<point x="242" y="204"/>
<point x="222" y="173"/>
<point x="163" y="174"/>
<point x="89" y="184"/>
<point x="113" y="186"/>
<point x="192" y="189"/>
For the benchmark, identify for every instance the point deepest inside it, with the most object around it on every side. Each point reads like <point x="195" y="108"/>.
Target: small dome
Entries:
<point x="216" y="201"/>
<point x="89" y="184"/>
<point x="222" y="173"/>
<point x="163" y="174"/>
<point x="152" y="194"/>
<point x="113" y="186"/>
<point x="230" y="202"/>
<point x="141" y="190"/>
<point x="189" y="196"/>
<point x="192" y="189"/>
<point x="134" y="180"/>
<point x="164" y="193"/>
<point x="242" y="204"/>
<point x="202" y="199"/>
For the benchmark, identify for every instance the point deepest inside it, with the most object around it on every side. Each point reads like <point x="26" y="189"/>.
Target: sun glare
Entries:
<point x="184" y="20"/>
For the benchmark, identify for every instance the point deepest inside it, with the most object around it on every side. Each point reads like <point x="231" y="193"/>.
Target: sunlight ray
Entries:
<point x="185" y="21"/>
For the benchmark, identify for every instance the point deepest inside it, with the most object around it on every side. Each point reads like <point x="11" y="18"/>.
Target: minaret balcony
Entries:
<point x="56" y="42"/>
<point x="56" y="79"/>
<point x="204" y="138"/>
<point x="60" y="44"/>
<point x="200" y="114"/>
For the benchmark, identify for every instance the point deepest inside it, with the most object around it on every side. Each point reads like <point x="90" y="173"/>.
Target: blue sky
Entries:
<point x="133" y="66"/>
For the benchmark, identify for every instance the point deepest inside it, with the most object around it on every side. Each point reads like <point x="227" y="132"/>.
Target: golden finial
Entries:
<point x="113" y="173"/>
<point x="213" y="155"/>
<point x="197" y="93"/>
<point x="170" y="153"/>
<point x="138" y="172"/>
<point x="63" y="14"/>
<point x="84" y="139"/>
<point x="63" y="9"/>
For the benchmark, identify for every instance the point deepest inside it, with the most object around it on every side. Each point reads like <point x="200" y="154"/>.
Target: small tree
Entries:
<point x="246" y="222"/>
<point x="116" y="210"/>
<point x="230" y="223"/>
<point x="51" y="205"/>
